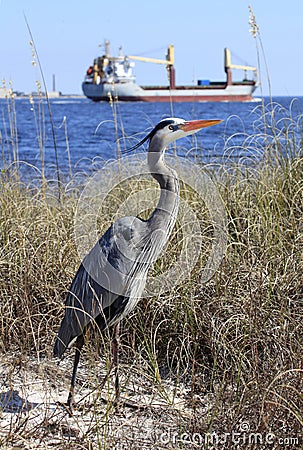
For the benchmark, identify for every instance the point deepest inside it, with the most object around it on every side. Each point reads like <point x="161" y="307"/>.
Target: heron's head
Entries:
<point x="171" y="129"/>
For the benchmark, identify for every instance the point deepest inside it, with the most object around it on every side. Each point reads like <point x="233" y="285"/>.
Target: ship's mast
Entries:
<point x="228" y="66"/>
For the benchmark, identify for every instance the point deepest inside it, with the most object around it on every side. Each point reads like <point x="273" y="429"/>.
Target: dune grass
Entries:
<point x="231" y="346"/>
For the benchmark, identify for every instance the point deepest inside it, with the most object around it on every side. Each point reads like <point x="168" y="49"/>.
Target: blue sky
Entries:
<point x="68" y="33"/>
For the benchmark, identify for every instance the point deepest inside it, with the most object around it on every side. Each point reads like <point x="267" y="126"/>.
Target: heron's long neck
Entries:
<point x="165" y="214"/>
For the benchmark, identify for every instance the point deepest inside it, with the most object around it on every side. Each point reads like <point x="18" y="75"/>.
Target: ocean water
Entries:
<point x="88" y="133"/>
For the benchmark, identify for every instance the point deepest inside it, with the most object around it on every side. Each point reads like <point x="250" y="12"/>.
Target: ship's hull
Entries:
<point x="131" y="92"/>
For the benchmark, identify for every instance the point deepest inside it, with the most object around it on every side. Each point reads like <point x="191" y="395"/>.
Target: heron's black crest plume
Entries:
<point x="158" y="127"/>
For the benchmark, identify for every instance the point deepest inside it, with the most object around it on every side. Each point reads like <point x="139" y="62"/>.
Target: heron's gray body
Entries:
<point x="112" y="277"/>
<point x="88" y="298"/>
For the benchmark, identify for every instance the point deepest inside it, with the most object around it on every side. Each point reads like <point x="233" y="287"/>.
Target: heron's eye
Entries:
<point x="171" y="127"/>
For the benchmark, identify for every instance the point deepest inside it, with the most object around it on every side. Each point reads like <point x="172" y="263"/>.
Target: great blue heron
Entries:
<point x="111" y="278"/>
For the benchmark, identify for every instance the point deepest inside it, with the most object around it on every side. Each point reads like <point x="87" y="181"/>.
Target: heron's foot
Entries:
<point x="68" y="407"/>
<point x="132" y="405"/>
<point x="119" y="403"/>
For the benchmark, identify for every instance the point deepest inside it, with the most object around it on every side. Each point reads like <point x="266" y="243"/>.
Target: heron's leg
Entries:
<point x="115" y="350"/>
<point x="79" y="345"/>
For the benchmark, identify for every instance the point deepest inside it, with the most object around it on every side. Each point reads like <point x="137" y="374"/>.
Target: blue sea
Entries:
<point x="86" y="134"/>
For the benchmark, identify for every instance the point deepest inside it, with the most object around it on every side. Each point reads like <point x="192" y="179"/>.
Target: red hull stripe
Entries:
<point x="182" y="98"/>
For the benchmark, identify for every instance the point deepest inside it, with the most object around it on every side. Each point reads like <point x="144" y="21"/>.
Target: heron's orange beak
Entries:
<point x="198" y="124"/>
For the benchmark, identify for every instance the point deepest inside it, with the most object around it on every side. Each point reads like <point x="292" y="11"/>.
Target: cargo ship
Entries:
<point x="111" y="77"/>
